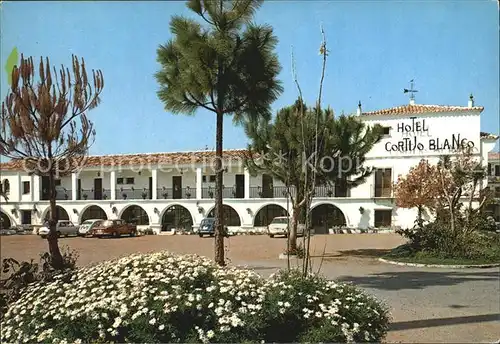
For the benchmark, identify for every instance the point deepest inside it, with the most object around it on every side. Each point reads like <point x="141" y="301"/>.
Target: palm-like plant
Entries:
<point x="227" y="67"/>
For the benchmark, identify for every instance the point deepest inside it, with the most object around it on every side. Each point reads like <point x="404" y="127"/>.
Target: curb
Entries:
<point x="444" y="266"/>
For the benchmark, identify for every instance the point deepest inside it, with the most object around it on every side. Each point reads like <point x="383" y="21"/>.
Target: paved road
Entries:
<point x="428" y="305"/>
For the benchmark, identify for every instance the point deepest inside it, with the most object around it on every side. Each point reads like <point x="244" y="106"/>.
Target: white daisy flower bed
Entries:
<point x="164" y="298"/>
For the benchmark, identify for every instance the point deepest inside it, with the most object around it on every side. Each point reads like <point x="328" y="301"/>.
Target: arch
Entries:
<point x="231" y="216"/>
<point x="267" y="213"/>
<point x="93" y="212"/>
<point x="135" y="214"/>
<point x="5" y="221"/>
<point x="325" y="216"/>
<point x="176" y="216"/>
<point x="61" y="214"/>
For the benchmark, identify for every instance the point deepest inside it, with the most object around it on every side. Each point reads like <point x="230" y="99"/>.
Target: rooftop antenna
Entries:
<point x="412" y="92"/>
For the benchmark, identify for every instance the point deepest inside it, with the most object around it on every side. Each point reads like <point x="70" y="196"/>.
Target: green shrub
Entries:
<point x="161" y="297"/>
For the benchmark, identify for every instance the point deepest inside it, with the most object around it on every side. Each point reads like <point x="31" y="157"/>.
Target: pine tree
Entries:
<point x="286" y="147"/>
<point x="228" y="67"/>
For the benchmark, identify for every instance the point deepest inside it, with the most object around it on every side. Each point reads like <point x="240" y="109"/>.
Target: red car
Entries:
<point x="114" y="228"/>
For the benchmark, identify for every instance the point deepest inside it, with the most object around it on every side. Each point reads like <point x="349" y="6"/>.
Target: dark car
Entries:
<point x="207" y="227"/>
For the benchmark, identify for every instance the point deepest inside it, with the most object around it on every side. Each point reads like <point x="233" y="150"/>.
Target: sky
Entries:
<point x="450" y="48"/>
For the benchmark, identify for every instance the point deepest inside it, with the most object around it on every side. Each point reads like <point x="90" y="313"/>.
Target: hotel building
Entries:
<point x="166" y="191"/>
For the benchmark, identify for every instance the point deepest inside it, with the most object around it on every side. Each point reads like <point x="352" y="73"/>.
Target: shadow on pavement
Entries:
<point x="397" y="280"/>
<point x="361" y="253"/>
<point x="413" y="324"/>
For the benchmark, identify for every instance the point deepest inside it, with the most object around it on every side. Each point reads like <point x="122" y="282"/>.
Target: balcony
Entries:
<point x="282" y="192"/>
<point x="494" y="179"/>
<point x="227" y="192"/>
<point x="62" y="194"/>
<point x="379" y="192"/>
<point x="91" y="194"/>
<point x="175" y="193"/>
<point x="133" y="193"/>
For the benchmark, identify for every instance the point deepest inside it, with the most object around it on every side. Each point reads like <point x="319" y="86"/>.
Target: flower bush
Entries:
<point x="161" y="297"/>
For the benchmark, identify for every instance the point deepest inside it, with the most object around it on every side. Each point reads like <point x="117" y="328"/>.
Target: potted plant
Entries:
<point x="259" y="191"/>
<point x="361" y="210"/>
<point x="329" y="193"/>
<point x="85" y="196"/>
<point x="144" y="194"/>
<point x="66" y="196"/>
<point x="188" y="192"/>
<point x="234" y="191"/>
<point x="210" y="192"/>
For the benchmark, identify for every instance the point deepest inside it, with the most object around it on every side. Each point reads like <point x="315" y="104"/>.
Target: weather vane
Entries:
<point x="412" y="91"/>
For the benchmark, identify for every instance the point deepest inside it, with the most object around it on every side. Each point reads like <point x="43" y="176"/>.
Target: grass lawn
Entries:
<point x="490" y="254"/>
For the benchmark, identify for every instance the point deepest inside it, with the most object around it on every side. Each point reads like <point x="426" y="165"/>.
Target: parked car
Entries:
<point x="87" y="227"/>
<point x="63" y="228"/>
<point x="207" y="227"/>
<point x="279" y="226"/>
<point x="114" y="228"/>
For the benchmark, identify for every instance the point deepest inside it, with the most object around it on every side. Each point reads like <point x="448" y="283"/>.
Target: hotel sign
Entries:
<point x="416" y="138"/>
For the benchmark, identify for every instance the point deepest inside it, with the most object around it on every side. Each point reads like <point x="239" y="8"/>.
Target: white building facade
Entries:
<point x="166" y="191"/>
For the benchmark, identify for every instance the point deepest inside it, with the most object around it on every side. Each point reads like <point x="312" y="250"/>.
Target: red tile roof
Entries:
<point x="493" y="156"/>
<point x="144" y="159"/>
<point x="419" y="109"/>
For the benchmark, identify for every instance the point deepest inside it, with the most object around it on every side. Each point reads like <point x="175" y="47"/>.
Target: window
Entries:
<point x="383" y="218"/>
<point x="129" y="180"/>
<point x="57" y="182"/>
<point x="26" y="188"/>
<point x="26" y="217"/>
<point x="497" y="170"/>
<point x="119" y="181"/>
<point x="383" y="182"/>
<point x="6" y="186"/>
<point x="212" y="178"/>
<point x="386" y="131"/>
<point x="490" y="171"/>
<point x="204" y="179"/>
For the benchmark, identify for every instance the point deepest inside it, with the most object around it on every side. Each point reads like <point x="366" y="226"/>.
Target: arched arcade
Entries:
<point x="230" y="216"/>
<point x="93" y="212"/>
<point x="326" y="216"/>
<point x="176" y="217"/>
<point x="135" y="214"/>
<point x="267" y="213"/>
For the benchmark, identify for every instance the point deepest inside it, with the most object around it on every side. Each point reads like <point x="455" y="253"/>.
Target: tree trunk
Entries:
<point x="219" y="220"/>
<point x="55" y="253"/>
<point x="419" y="215"/>
<point x="292" y="246"/>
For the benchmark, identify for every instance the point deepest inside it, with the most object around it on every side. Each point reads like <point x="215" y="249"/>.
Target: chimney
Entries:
<point x="471" y="101"/>
<point x="358" y="112"/>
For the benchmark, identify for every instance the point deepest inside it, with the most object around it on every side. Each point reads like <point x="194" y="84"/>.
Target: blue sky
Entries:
<point x="450" y="48"/>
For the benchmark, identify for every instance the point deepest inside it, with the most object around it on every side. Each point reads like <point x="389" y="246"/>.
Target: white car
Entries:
<point x="63" y="228"/>
<point x="88" y="225"/>
<point x="279" y="226"/>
